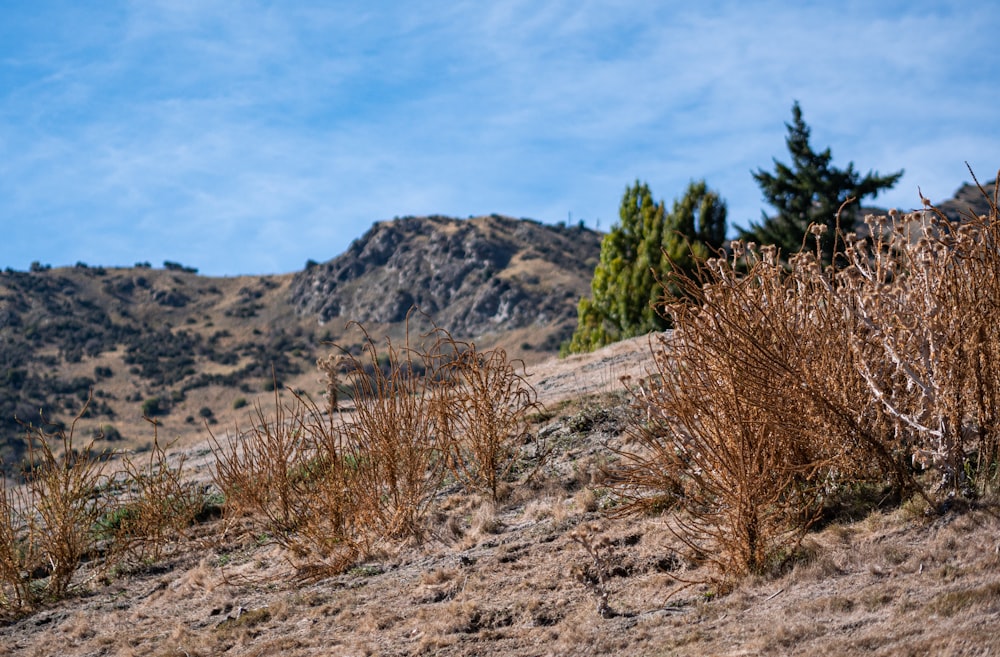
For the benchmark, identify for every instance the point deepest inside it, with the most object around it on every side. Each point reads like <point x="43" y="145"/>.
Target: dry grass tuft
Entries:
<point x="598" y="548"/>
<point x="48" y="525"/>
<point x="156" y="508"/>
<point x="332" y="489"/>
<point x="486" y="420"/>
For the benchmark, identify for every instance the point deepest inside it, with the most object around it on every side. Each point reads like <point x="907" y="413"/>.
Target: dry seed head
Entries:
<point x="818" y="229"/>
<point x="769" y="254"/>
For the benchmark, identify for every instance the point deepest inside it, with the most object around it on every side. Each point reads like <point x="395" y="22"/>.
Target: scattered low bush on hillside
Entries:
<point x="73" y="508"/>
<point x="329" y="488"/>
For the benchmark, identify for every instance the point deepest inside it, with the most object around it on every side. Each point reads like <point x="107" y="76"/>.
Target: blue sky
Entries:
<point x="245" y="137"/>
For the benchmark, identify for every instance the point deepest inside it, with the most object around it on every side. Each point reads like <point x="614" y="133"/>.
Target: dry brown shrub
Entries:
<point x="785" y="387"/>
<point x="758" y="415"/>
<point x="68" y="510"/>
<point x="291" y="476"/>
<point x="332" y="486"/>
<point x="598" y="548"/>
<point x="49" y="523"/>
<point x="260" y="471"/>
<point x="155" y="507"/>
<point x="926" y="293"/>
<point x="485" y="417"/>
<point x="392" y="440"/>
<point x="18" y="552"/>
<point x="727" y="436"/>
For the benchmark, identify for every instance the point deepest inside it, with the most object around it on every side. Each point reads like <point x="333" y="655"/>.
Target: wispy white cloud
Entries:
<point x="249" y="136"/>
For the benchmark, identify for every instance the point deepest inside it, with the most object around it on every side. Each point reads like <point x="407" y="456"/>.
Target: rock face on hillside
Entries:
<point x="968" y="199"/>
<point x="470" y="276"/>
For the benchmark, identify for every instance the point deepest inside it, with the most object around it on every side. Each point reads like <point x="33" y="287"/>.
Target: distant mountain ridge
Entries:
<point x="188" y="349"/>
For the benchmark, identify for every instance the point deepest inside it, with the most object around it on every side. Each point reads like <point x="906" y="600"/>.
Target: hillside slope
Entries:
<point x="186" y="348"/>
<point x="513" y="580"/>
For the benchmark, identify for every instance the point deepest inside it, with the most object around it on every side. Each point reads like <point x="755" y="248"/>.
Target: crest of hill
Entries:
<point x="968" y="199"/>
<point x="474" y="276"/>
<point x="188" y="349"/>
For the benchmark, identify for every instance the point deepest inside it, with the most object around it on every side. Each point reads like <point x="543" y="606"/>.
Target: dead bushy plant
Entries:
<point x="926" y="293"/>
<point x="598" y="548"/>
<point x="487" y="402"/>
<point x="394" y="447"/>
<point x="50" y="521"/>
<point x="782" y="387"/>
<point x="744" y="490"/>
<point x="19" y="555"/>
<point x="329" y="489"/>
<point x="263" y="472"/>
<point x="291" y="476"/>
<point x="154" y="506"/>
<point x="755" y="415"/>
<point x="335" y="528"/>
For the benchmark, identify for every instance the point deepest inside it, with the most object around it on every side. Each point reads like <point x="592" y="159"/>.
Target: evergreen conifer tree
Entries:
<point x="636" y="253"/>
<point x="809" y="191"/>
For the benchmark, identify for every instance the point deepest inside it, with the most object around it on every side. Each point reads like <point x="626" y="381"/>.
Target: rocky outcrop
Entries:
<point x="470" y="276"/>
<point x="969" y="199"/>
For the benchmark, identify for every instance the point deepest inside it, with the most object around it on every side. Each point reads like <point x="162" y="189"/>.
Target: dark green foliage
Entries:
<point x="697" y="229"/>
<point x="637" y="252"/>
<point x="810" y="191"/>
<point x="107" y="432"/>
<point x="176" y="266"/>
<point x="164" y="357"/>
<point x="155" y="406"/>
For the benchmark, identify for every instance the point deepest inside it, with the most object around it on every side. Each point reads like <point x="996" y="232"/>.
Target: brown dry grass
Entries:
<point x="48" y="524"/>
<point x="334" y="488"/>
<point x="893" y="583"/>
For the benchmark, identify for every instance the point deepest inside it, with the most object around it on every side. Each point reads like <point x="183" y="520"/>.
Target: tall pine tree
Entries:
<point x="638" y="251"/>
<point x="809" y="191"/>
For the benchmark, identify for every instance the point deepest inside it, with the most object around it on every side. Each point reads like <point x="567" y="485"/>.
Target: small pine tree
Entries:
<point x="639" y="251"/>
<point x="810" y="191"/>
<point x="697" y="229"/>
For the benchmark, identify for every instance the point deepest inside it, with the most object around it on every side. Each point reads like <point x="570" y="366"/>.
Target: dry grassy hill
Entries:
<point x="516" y="579"/>
<point x="188" y="349"/>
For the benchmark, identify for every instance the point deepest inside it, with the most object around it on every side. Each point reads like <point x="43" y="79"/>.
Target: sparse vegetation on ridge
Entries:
<point x="130" y="334"/>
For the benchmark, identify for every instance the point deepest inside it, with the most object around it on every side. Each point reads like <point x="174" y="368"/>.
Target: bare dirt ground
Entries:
<point x="513" y="581"/>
